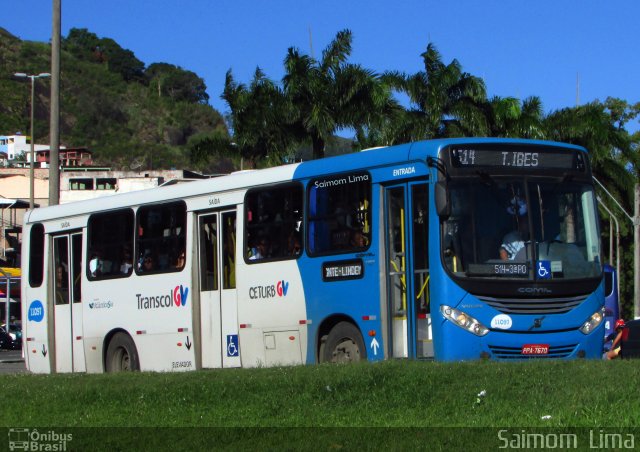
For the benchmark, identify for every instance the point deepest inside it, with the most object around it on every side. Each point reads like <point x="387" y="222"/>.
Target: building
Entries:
<point x="69" y="157"/>
<point x="91" y="183"/>
<point x="16" y="149"/>
<point x="76" y="184"/>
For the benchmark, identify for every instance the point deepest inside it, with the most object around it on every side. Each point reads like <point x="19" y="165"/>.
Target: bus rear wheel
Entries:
<point x="122" y="355"/>
<point x="344" y="344"/>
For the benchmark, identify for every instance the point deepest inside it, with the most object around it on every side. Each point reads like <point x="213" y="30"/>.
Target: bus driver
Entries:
<point x="514" y="241"/>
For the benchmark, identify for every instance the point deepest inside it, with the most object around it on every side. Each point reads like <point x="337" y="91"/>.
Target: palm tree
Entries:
<point x="260" y="118"/>
<point x="445" y="101"/>
<point x="331" y="94"/>
<point x="507" y="117"/>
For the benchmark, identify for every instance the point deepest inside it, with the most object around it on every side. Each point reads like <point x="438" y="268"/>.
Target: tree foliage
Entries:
<point x="86" y="46"/>
<point x="176" y="83"/>
<point x="331" y="94"/>
<point x="260" y="117"/>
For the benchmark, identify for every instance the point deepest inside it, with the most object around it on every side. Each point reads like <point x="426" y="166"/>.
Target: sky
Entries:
<point x="566" y="52"/>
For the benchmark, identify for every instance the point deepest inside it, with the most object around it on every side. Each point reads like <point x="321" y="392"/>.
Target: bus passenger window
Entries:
<point x="36" y="255"/>
<point x="273" y="219"/>
<point x="110" y="240"/>
<point x="161" y="238"/>
<point x="339" y="214"/>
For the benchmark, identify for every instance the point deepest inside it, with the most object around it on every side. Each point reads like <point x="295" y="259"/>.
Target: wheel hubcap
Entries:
<point x="346" y="351"/>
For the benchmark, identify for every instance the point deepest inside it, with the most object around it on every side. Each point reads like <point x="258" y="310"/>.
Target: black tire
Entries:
<point x="122" y="355"/>
<point x="344" y="344"/>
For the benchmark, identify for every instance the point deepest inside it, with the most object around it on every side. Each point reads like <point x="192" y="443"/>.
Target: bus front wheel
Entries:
<point x="344" y="344"/>
<point x="122" y="355"/>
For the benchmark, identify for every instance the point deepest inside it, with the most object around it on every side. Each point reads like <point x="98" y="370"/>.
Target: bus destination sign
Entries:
<point x="342" y="270"/>
<point x="525" y="158"/>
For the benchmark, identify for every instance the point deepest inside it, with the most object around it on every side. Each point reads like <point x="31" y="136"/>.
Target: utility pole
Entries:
<point x="33" y="137"/>
<point x="54" y="124"/>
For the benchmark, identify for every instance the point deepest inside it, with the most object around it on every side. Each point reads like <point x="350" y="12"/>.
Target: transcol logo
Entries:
<point x="177" y="296"/>
<point x="180" y="295"/>
<point x="280" y="289"/>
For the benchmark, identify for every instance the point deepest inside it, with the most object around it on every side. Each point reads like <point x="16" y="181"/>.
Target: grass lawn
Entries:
<point x="415" y="398"/>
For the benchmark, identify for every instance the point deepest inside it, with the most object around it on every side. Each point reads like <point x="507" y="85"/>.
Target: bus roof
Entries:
<point x="377" y="157"/>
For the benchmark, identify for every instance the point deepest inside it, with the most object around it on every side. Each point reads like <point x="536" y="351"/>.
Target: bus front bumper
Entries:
<point x="520" y="345"/>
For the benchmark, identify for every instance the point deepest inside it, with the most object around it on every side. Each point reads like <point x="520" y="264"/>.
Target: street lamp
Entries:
<point x="31" y="171"/>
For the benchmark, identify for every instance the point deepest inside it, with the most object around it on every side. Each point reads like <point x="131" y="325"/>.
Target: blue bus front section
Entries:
<point x="518" y="336"/>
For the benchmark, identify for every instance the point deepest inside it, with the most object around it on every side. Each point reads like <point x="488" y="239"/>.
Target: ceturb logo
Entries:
<point x="280" y="289"/>
<point x="176" y="297"/>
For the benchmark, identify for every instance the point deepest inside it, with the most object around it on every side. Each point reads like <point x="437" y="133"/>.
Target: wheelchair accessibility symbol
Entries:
<point x="232" y="345"/>
<point x="544" y="270"/>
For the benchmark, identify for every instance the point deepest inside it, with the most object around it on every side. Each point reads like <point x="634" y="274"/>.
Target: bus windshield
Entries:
<point x="523" y="228"/>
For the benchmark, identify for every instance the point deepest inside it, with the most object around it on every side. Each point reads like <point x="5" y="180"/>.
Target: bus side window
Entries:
<point x="110" y="241"/>
<point x="161" y="238"/>
<point x="273" y="219"/>
<point x="339" y="214"/>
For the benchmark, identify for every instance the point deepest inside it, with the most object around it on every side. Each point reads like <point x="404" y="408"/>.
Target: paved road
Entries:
<point x="11" y="362"/>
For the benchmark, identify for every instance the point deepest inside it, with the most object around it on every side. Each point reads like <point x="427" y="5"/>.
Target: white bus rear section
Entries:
<point x="244" y="326"/>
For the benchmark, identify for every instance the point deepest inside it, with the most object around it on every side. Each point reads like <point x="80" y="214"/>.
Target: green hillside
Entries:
<point x="110" y="101"/>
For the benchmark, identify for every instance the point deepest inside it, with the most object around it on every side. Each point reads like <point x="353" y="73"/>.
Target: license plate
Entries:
<point x="535" y="349"/>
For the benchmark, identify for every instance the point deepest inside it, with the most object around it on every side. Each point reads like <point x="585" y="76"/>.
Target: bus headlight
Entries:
<point x="593" y="322"/>
<point x="463" y="320"/>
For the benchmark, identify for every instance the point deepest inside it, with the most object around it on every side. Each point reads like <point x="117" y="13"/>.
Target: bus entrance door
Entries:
<point x="407" y="240"/>
<point x="67" y="280"/>
<point x="218" y="297"/>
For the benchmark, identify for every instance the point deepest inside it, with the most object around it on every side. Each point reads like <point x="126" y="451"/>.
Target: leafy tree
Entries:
<point x="121" y="61"/>
<point x="176" y="83"/>
<point x="87" y="46"/>
<point x="83" y="44"/>
<point x="621" y="111"/>
<point x="592" y="126"/>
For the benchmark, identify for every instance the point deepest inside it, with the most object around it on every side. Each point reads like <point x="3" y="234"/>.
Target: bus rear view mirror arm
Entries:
<point x="443" y="201"/>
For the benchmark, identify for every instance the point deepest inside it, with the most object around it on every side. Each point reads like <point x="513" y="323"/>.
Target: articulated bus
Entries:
<point x="454" y="249"/>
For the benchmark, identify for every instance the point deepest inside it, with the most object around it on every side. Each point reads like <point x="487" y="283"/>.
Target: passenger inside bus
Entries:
<point x="514" y="241"/>
<point x="293" y="244"/>
<point x="179" y="261"/>
<point x="95" y="264"/>
<point x="261" y="250"/>
<point x="126" y="265"/>
<point x="148" y="264"/>
<point x="62" y="290"/>
<point x="358" y="239"/>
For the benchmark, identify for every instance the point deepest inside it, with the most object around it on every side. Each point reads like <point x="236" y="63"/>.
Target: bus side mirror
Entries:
<point x="443" y="201"/>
